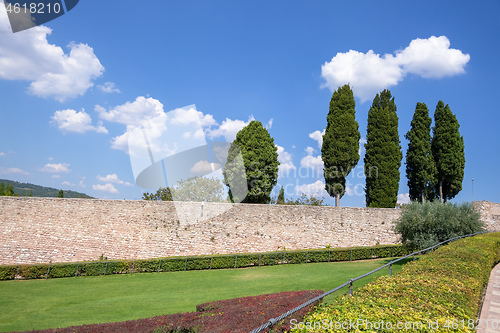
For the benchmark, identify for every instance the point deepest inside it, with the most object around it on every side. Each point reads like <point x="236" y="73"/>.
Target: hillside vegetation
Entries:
<point x="24" y="189"/>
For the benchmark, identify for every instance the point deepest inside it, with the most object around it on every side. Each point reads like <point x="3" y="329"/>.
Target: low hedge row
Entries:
<point x="439" y="292"/>
<point x="171" y="264"/>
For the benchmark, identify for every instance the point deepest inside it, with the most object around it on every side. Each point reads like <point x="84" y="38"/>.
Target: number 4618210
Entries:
<point x="34" y="8"/>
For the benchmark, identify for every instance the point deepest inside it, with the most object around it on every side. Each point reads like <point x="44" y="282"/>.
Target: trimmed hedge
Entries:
<point x="443" y="288"/>
<point x="172" y="264"/>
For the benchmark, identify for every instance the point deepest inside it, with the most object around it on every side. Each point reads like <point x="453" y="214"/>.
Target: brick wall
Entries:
<point x="62" y="230"/>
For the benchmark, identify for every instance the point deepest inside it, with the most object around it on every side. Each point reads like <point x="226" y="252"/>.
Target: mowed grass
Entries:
<point x="40" y="304"/>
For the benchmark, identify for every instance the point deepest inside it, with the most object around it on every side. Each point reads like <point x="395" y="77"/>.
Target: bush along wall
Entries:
<point x="439" y="292"/>
<point x="172" y="264"/>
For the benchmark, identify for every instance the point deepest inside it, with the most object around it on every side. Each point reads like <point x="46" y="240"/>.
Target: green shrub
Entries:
<point x="444" y="286"/>
<point x="33" y="271"/>
<point x="62" y="270"/>
<point x="101" y="267"/>
<point x="8" y="272"/>
<point x="424" y="225"/>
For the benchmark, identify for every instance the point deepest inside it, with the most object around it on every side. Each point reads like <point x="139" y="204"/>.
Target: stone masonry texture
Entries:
<point x="42" y="230"/>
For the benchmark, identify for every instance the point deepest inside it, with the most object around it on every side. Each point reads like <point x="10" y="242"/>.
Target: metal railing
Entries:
<point x="271" y="322"/>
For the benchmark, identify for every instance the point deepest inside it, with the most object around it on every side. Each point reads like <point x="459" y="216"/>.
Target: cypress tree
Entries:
<point x="260" y="162"/>
<point x="383" y="153"/>
<point x="340" y="149"/>
<point x="448" y="152"/>
<point x="281" y="197"/>
<point x="61" y="194"/>
<point x="420" y="167"/>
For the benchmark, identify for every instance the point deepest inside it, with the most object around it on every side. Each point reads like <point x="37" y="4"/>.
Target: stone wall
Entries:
<point x="36" y="230"/>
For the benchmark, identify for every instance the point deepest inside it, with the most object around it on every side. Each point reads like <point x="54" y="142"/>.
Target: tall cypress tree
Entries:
<point x="260" y="162"/>
<point x="383" y="153"/>
<point x="448" y="152"/>
<point x="281" y="197"/>
<point x="420" y="167"/>
<point x="340" y="149"/>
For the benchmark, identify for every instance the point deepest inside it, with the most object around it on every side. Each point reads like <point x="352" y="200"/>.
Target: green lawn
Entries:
<point x="39" y="304"/>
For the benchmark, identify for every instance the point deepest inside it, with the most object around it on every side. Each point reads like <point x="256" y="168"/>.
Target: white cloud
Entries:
<point x="315" y="189"/>
<point x="185" y="116"/>
<point x="109" y="88"/>
<point x="269" y="124"/>
<point x="132" y="113"/>
<point x="432" y="58"/>
<point x="311" y="161"/>
<point x="113" y="179"/>
<point x="204" y="167"/>
<point x="67" y="183"/>
<point x="16" y="171"/>
<point x="56" y="176"/>
<point x="229" y="128"/>
<point x="362" y="142"/>
<point x="2" y="153"/>
<point x="286" y="163"/>
<point x="317" y="136"/>
<point x="105" y="188"/>
<point x="27" y="55"/>
<point x="404" y="198"/>
<point x="77" y="122"/>
<point x="81" y="184"/>
<point x="369" y="73"/>
<point x="56" y="168"/>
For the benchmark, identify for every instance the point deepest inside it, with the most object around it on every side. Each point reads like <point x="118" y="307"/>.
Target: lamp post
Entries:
<point x="473" y="189"/>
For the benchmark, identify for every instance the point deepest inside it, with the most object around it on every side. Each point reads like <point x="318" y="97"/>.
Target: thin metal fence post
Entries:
<point x="159" y="266"/>
<point x="307" y="255"/>
<point x="235" y="260"/>
<point x="77" y="265"/>
<point x="133" y="267"/>
<point x="211" y="261"/>
<point x="390" y="270"/>
<point x="185" y="264"/>
<point x="392" y="251"/>
<point x="259" y="258"/>
<point x="350" y="256"/>
<point x="350" y="287"/>
<point x="48" y="269"/>
<point x="17" y="273"/>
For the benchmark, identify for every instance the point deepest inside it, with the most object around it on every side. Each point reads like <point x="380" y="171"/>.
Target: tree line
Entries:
<point x="434" y="163"/>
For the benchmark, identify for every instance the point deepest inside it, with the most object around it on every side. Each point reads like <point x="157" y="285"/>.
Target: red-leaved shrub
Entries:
<point x="233" y="315"/>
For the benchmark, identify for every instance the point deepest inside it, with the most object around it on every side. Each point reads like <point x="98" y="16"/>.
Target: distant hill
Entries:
<point x="23" y="189"/>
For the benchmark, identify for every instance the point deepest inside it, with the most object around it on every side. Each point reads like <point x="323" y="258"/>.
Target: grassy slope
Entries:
<point x="23" y="189"/>
<point x="38" y="304"/>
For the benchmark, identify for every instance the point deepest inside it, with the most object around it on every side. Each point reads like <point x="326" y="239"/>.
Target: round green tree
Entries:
<point x="259" y="162"/>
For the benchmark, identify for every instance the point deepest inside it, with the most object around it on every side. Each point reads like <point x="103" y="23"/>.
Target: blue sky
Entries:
<point x="72" y="89"/>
